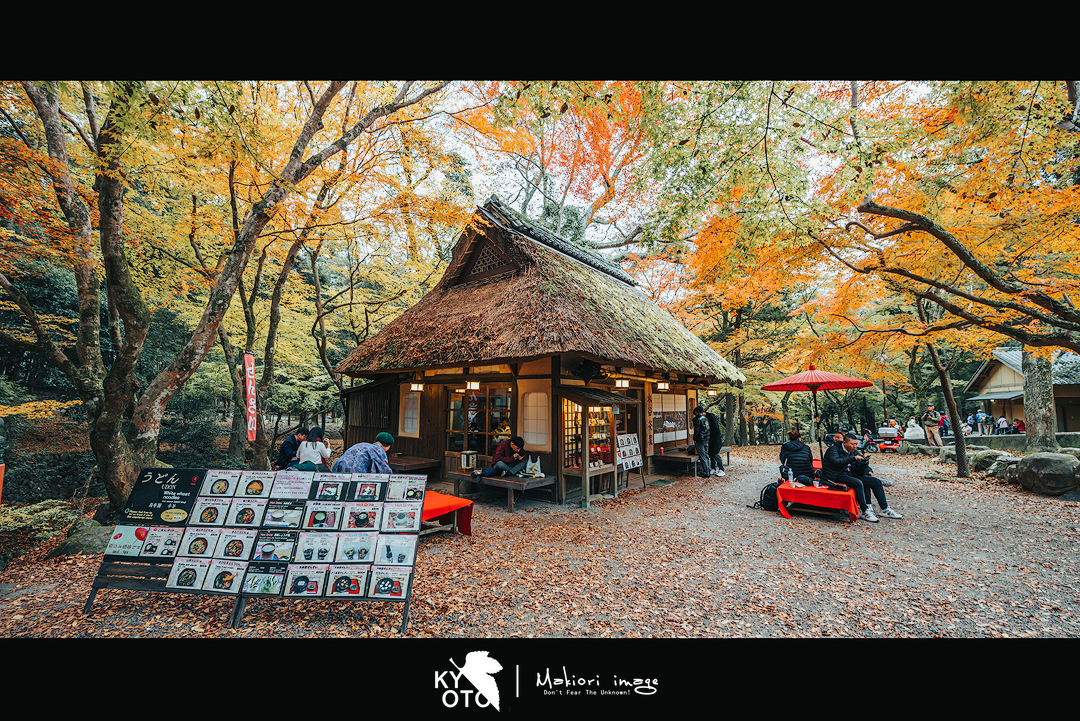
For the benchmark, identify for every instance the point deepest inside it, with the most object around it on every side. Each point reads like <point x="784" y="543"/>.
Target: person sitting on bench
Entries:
<point x="841" y="465"/>
<point x="509" y="459"/>
<point x="797" y="456"/>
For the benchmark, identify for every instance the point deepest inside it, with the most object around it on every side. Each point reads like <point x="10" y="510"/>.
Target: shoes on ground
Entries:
<point x="868" y="515"/>
<point x="718" y="473"/>
<point x="889" y="513"/>
<point x="886" y="482"/>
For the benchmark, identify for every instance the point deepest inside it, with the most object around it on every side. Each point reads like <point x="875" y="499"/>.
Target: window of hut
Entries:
<point x="479" y="420"/>
<point x="410" y="414"/>
<point x="536" y="407"/>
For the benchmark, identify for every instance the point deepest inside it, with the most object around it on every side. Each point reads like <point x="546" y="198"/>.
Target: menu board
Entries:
<point x="163" y="496"/>
<point x="275" y="535"/>
<point x="628" y="451"/>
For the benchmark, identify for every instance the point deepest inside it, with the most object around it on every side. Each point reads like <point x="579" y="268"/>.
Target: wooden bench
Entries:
<point x="691" y="459"/>
<point x="510" y="483"/>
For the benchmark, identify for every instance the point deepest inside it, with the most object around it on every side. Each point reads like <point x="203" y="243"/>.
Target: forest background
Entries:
<point x="151" y="233"/>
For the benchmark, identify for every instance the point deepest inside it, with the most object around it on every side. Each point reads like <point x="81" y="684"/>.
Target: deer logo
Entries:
<point x="479" y="669"/>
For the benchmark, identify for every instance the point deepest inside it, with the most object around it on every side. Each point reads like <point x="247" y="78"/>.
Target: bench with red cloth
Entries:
<point x="437" y="505"/>
<point x="820" y="497"/>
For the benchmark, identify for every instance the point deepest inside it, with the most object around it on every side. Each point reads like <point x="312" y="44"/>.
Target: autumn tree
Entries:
<point x="92" y="170"/>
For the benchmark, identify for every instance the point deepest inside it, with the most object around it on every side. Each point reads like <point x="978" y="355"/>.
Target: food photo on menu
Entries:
<point x="220" y="483"/>
<point x="200" y="542"/>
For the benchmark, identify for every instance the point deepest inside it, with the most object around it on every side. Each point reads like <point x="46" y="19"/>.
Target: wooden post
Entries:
<point x="584" y="456"/>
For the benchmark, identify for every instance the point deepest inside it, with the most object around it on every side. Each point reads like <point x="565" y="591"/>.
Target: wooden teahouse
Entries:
<point x="529" y="335"/>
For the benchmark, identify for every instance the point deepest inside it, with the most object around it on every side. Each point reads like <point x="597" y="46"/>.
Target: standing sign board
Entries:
<point x="629" y="455"/>
<point x="263" y="535"/>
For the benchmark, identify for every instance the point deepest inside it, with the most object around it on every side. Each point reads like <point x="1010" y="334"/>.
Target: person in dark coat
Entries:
<point x="509" y="459"/>
<point x="797" y="456"/>
<point x="289" y="448"/>
<point x="701" y="441"/>
<point x="714" y="445"/>
<point x="836" y="466"/>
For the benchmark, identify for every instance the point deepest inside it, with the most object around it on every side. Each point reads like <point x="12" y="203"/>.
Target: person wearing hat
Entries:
<point x="930" y="421"/>
<point x="836" y="466"/>
<point x="366" y="457"/>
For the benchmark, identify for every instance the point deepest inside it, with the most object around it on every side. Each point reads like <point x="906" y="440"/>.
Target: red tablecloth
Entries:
<point x="439" y="504"/>
<point x="820" y="497"/>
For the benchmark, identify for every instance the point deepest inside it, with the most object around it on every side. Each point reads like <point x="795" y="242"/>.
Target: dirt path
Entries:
<point x="969" y="559"/>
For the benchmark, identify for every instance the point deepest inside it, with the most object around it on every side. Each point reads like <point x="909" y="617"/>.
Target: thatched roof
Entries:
<point x="549" y="296"/>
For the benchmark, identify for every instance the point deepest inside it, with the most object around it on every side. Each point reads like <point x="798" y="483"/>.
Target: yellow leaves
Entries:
<point x="34" y="410"/>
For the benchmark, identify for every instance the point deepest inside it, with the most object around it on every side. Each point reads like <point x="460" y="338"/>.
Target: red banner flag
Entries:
<point x="249" y="387"/>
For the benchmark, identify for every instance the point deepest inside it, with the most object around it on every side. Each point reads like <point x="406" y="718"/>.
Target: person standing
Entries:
<point x="714" y="445"/>
<point x="930" y="421"/>
<point x="701" y="441"/>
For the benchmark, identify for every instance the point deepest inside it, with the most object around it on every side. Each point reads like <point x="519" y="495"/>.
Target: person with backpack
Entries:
<point x="701" y="442"/>
<point x="714" y="445"/>
<point x="931" y="420"/>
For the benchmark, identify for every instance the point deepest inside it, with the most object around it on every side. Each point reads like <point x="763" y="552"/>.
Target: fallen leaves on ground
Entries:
<point x="972" y="557"/>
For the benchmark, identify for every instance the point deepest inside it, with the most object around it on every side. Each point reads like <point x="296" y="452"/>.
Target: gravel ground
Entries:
<point x="969" y="559"/>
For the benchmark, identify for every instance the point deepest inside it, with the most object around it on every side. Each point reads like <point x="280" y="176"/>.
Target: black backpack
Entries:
<point x="768" y="500"/>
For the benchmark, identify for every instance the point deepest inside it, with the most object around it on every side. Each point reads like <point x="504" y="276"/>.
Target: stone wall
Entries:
<point x="35" y="477"/>
<point x="1014" y="443"/>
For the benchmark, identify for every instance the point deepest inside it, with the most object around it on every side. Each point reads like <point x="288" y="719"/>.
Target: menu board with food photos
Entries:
<point x="274" y="534"/>
<point x="162" y="497"/>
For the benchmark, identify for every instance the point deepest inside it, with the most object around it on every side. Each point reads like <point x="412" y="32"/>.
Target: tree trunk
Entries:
<point x="742" y="421"/>
<point x="729" y="419"/>
<point x="1039" y="421"/>
<point x="959" y="441"/>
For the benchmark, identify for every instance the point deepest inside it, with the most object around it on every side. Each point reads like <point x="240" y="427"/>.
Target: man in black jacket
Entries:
<point x="289" y="447"/>
<point x="836" y="466"/>
<point x="701" y="441"/>
<point x="714" y="445"/>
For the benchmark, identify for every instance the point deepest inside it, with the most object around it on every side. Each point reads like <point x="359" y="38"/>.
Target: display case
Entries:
<point x="571" y="436"/>
<point x="600" y="437"/>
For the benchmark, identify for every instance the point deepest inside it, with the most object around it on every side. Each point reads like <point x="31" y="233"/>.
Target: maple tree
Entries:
<point x="141" y="133"/>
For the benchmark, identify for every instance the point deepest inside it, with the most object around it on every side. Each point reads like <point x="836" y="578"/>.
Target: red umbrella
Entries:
<point x="814" y="380"/>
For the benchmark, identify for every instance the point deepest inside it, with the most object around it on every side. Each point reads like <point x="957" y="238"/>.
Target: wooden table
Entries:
<point x="410" y="464"/>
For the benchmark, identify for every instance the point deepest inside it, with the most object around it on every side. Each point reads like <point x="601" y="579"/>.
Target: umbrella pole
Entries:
<point x="817" y="427"/>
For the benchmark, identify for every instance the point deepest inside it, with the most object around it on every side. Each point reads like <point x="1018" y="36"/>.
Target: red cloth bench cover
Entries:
<point x="439" y="504"/>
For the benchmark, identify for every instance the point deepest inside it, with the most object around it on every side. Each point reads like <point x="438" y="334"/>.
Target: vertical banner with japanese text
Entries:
<point x="249" y="392"/>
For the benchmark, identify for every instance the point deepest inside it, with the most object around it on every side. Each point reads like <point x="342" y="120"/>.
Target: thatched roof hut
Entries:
<point x="515" y="290"/>
<point x="537" y="322"/>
